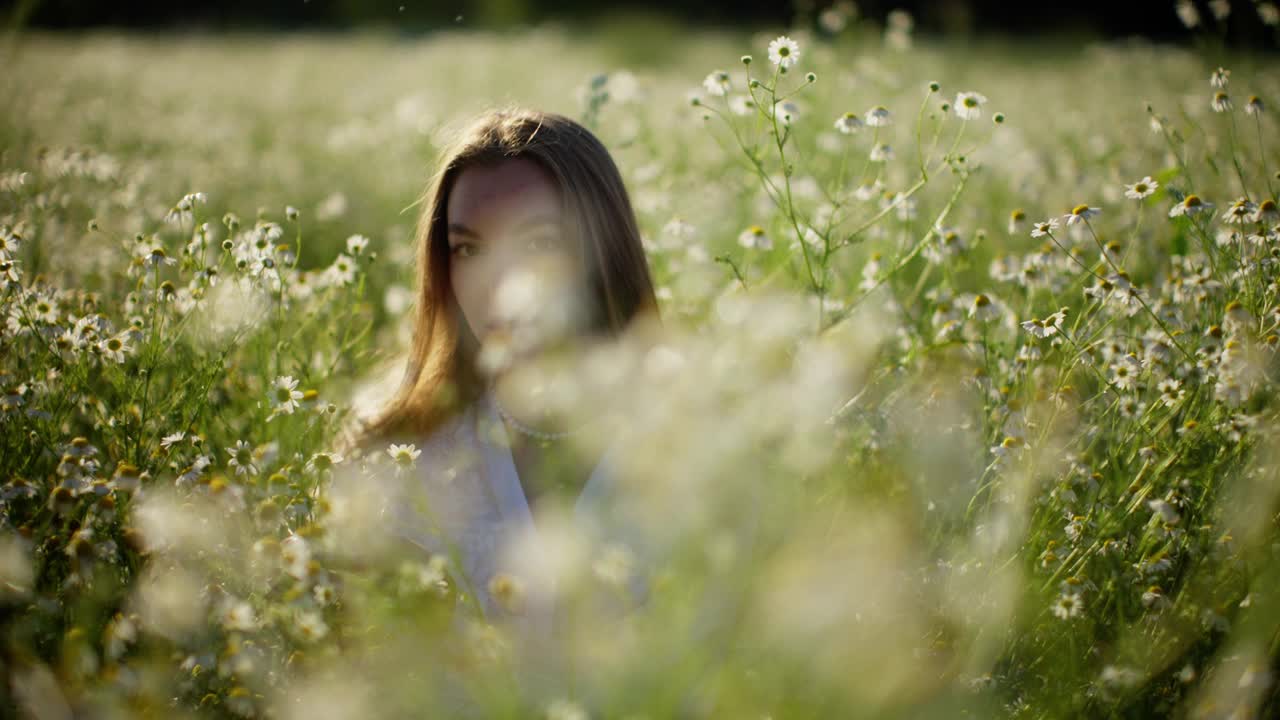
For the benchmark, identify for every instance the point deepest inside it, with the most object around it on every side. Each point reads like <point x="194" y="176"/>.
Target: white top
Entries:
<point x="466" y="489"/>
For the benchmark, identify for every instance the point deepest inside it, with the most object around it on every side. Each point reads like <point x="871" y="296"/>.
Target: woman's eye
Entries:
<point x="464" y="249"/>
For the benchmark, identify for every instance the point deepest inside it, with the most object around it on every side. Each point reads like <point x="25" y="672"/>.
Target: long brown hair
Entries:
<point x="441" y="377"/>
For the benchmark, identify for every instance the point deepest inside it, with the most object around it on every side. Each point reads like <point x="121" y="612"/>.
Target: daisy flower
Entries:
<point x="1040" y="328"/>
<point x="1154" y="598"/>
<point x="717" y="83"/>
<point x="835" y="18"/>
<point x="755" y="237"/>
<point x="342" y="271"/>
<point x="262" y="262"/>
<point x="881" y="153"/>
<point x="1267" y="212"/>
<point x="115" y="348"/>
<point x="678" y="227"/>
<point x="1219" y="78"/>
<point x="949" y="243"/>
<point x="1141" y="189"/>
<point x="295" y="553"/>
<point x="156" y="256"/>
<point x="238" y="615"/>
<point x="1171" y="391"/>
<point x="1124" y="372"/>
<point x="286" y="395"/>
<point x="169" y="441"/>
<point x="323" y="461"/>
<point x="1190" y="205"/>
<point x="242" y="458"/>
<point x="969" y="105"/>
<point x="1068" y="605"/>
<point x="1241" y="211"/>
<point x="356" y="244"/>
<point x="1007" y="447"/>
<point x="1187" y="13"/>
<point x="1016" y="218"/>
<point x="878" y="116"/>
<point x="784" y="52"/>
<point x="848" y="123"/>
<point x="1081" y="213"/>
<point x="785" y="111"/>
<point x="1131" y="407"/>
<point x="982" y="308"/>
<point x="185" y="209"/>
<point x="741" y="105"/>
<point x="508" y="590"/>
<point x="9" y="244"/>
<point x="127" y="477"/>
<point x="405" y="456"/>
<point x="1254" y="106"/>
<point x="192" y="473"/>
<point x="867" y="190"/>
<point x="1237" y="316"/>
<point x="1221" y="102"/>
<point x="311" y="625"/>
<point x="324" y="593"/>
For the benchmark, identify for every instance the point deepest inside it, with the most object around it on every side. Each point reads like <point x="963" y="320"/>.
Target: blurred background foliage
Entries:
<point x="1092" y="18"/>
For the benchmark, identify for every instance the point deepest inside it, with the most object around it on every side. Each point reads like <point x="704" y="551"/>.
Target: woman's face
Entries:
<point x="512" y="273"/>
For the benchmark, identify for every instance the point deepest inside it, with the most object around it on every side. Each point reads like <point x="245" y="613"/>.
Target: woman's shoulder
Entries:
<point x="450" y="447"/>
<point x="441" y="492"/>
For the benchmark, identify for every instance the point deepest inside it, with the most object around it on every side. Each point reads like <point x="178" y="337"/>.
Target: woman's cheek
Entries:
<point x="469" y="288"/>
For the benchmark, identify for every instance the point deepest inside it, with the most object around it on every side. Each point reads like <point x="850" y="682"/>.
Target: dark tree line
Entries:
<point x="1154" y="19"/>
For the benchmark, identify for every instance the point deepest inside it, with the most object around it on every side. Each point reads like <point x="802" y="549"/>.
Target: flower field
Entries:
<point x="965" y="402"/>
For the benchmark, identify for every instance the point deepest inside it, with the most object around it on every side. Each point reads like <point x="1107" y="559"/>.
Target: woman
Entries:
<point x="528" y="250"/>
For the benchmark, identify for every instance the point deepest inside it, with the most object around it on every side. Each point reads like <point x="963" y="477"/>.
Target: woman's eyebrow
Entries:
<point x="460" y="229"/>
<point x="456" y="228"/>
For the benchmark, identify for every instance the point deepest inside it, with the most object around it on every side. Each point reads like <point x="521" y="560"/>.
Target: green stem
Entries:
<point x="1235" y="158"/>
<point x="1262" y="155"/>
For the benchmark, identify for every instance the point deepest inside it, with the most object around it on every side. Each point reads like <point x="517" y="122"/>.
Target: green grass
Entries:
<point x="951" y="515"/>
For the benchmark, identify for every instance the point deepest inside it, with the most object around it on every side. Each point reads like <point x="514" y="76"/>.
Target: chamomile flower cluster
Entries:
<point x="921" y="382"/>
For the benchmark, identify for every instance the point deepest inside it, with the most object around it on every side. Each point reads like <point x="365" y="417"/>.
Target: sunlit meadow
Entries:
<point x="965" y="402"/>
